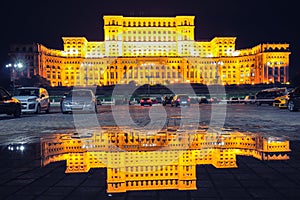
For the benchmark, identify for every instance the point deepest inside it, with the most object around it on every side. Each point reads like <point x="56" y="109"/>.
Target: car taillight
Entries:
<point x="189" y="99"/>
<point x="178" y="99"/>
<point x="142" y="100"/>
<point x="148" y="100"/>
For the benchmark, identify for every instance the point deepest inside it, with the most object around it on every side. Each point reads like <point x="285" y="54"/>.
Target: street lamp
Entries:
<point x="13" y="68"/>
<point x="148" y="76"/>
<point x="271" y="72"/>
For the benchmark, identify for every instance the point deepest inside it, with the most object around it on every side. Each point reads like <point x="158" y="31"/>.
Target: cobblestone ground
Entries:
<point x="263" y="120"/>
<point x="22" y="177"/>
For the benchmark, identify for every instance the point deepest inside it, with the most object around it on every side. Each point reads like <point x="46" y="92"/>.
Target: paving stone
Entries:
<point x="204" y="193"/>
<point x="29" y="190"/>
<point x="58" y="191"/>
<point x="21" y="197"/>
<point x="86" y="193"/>
<point x="19" y="181"/>
<point x="8" y="190"/>
<point x="233" y="193"/>
<point x="262" y="193"/>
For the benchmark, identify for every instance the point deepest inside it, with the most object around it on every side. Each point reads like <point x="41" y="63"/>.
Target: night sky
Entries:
<point x="252" y="22"/>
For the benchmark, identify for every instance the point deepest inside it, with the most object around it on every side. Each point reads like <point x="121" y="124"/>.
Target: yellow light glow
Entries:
<point x="134" y="161"/>
<point x="169" y="42"/>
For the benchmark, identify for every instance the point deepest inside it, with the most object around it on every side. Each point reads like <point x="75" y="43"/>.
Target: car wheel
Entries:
<point x="48" y="109"/>
<point x="38" y="109"/>
<point x="291" y="106"/>
<point x="96" y="110"/>
<point x="17" y="112"/>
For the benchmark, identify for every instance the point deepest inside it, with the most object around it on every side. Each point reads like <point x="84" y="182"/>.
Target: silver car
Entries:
<point x="33" y="99"/>
<point x="79" y="100"/>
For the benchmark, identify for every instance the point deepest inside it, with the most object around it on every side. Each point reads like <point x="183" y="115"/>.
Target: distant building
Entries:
<point x="153" y="50"/>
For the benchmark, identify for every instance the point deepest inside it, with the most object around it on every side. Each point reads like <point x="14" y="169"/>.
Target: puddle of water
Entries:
<point x="136" y="160"/>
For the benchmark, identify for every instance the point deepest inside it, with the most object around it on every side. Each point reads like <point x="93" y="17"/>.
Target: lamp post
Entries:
<point x="271" y="76"/>
<point x="148" y="76"/>
<point x="13" y="68"/>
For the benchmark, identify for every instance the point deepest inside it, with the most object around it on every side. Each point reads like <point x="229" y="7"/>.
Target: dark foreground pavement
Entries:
<point x="22" y="177"/>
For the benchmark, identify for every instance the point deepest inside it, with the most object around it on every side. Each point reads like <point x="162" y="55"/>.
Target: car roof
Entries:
<point x="28" y="88"/>
<point x="182" y="95"/>
<point x="81" y="90"/>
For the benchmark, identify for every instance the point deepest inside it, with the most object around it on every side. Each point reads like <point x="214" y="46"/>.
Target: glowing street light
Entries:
<point x="13" y="68"/>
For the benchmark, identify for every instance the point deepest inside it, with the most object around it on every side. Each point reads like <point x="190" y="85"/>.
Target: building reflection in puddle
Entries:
<point x="136" y="160"/>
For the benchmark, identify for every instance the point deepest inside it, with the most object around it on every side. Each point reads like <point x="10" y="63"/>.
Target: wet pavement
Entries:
<point x="23" y="177"/>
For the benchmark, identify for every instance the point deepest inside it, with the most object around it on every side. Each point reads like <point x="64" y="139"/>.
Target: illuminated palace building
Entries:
<point x="153" y="50"/>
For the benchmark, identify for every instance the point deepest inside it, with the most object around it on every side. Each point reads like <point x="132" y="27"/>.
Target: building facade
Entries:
<point x="153" y="50"/>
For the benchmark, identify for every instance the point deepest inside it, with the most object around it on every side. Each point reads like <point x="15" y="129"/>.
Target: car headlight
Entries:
<point x="31" y="100"/>
<point x="91" y="103"/>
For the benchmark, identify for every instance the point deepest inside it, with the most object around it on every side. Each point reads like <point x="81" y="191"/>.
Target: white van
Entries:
<point x="33" y="99"/>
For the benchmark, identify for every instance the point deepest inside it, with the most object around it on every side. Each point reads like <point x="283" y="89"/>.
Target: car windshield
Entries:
<point x="27" y="92"/>
<point x="80" y="94"/>
<point x="183" y="96"/>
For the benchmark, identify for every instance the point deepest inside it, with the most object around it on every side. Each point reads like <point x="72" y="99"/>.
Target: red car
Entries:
<point x="146" y="101"/>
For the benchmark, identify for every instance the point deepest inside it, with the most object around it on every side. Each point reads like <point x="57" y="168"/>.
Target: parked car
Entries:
<point x="281" y="102"/>
<point x="233" y="100"/>
<point x="203" y="100"/>
<point x="241" y="99"/>
<point x="167" y="100"/>
<point x="249" y="99"/>
<point x="79" y="100"/>
<point x="8" y="104"/>
<point x="33" y="99"/>
<point x="159" y="100"/>
<point x="146" y="101"/>
<point x="268" y="96"/>
<point x="294" y="100"/>
<point x="181" y="100"/>
<point x="214" y="100"/>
